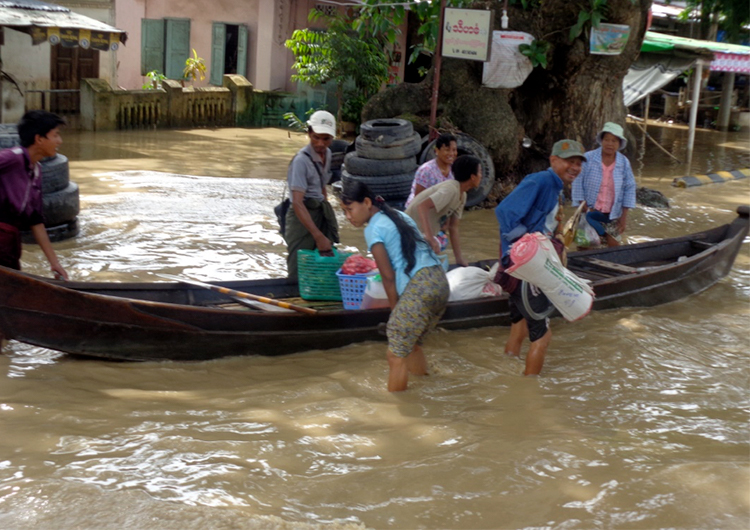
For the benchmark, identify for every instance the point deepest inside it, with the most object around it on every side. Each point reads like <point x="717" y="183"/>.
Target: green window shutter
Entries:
<point x="242" y="43"/>
<point x="218" y="46"/>
<point x="152" y="45"/>
<point x="178" y="47"/>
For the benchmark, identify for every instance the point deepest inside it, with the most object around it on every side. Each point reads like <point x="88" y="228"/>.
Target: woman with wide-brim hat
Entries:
<point x="607" y="185"/>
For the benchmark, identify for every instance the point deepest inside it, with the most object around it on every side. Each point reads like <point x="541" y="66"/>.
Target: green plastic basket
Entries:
<point x="317" y="274"/>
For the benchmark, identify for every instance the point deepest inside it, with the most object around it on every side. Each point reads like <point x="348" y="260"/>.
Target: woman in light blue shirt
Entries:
<point x="413" y="278"/>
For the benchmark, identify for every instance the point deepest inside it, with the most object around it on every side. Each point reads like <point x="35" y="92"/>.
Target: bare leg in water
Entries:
<point x="537" y="352"/>
<point x="400" y="367"/>
<point x="518" y="333"/>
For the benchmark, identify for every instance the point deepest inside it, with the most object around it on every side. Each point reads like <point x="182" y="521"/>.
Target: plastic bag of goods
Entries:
<point x="536" y="262"/>
<point x="468" y="283"/>
<point x="586" y="235"/>
<point x="375" y="295"/>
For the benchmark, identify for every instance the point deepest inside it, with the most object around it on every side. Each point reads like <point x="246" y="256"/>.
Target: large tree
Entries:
<point x="572" y="97"/>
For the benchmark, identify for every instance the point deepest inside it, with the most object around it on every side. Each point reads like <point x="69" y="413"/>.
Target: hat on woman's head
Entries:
<point x="615" y="129"/>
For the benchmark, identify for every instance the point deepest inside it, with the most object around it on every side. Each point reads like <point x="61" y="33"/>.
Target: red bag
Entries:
<point x="358" y="264"/>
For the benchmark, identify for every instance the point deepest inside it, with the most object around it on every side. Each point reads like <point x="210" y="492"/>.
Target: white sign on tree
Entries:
<point x="467" y="34"/>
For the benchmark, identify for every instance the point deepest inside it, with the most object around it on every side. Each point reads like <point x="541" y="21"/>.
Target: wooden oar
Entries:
<point x="240" y="294"/>
<point x="571" y="225"/>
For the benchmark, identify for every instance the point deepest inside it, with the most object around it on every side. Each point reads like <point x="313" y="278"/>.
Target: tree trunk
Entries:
<point x="572" y="98"/>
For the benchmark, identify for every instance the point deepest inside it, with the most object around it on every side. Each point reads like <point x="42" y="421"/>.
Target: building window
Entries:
<point x="228" y="51"/>
<point x="165" y="46"/>
<point x="327" y="9"/>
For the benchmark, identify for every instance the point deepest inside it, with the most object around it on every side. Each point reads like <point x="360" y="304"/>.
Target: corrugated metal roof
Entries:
<point x="654" y="41"/>
<point x="33" y="4"/>
<point x="19" y="18"/>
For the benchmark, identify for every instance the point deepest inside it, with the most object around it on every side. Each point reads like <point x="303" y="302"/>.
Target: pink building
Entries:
<point x="232" y="36"/>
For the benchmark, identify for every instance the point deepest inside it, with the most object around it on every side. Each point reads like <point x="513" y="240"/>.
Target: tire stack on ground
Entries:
<point x="385" y="159"/>
<point x="60" y="196"/>
<point x="467" y="145"/>
<point x="338" y="148"/>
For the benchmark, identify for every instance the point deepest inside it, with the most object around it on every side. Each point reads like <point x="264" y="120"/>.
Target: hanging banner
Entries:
<point x="69" y="37"/>
<point x="467" y="33"/>
<point x="97" y="40"/>
<point x="508" y="67"/>
<point x="609" y="39"/>
<point x="100" y="40"/>
<point x="38" y="35"/>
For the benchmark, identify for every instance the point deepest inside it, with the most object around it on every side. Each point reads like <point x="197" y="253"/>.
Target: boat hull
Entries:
<point x="173" y="321"/>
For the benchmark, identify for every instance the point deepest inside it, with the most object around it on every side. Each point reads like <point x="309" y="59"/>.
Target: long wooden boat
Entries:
<point x="181" y="322"/>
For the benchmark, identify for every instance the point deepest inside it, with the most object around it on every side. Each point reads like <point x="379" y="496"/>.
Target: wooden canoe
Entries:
<point x="181" y="322"/>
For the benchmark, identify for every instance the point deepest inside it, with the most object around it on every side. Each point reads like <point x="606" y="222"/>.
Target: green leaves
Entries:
<point x="536" y="52"/>
<point x="576" y="30"/>
<point x="595" y="15"/>
<point x="195" y="67"/>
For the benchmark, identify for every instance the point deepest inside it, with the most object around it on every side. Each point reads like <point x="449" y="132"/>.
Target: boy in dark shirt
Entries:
<point x="21" y="188"/>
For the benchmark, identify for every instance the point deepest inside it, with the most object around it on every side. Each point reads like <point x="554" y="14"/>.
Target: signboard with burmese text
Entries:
<point x="467" y="34"/>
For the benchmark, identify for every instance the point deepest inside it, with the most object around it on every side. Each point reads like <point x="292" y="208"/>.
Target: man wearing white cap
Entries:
<point x="311" y="221"/>
<point x="607" y="185"/>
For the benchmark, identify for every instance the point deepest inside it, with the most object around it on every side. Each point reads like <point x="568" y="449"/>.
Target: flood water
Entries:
<point x="638" y="421"/>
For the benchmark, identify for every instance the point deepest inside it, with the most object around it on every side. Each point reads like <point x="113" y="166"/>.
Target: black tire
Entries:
<point x="469" y="146"/>
<point x="356" y="165"/>
<point x="339" y="146"/>
<point x="335" y="176"/>
<point x="55" y="233"/>
<point x="391" y="187"/>
<point x="61" y="206"/>
<point x="393" y="151"/>
<point x="55" y="173"/>
<point x="386" y="131"/>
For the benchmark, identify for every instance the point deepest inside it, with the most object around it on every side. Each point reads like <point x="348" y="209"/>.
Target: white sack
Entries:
<point x="536" y="262"/>
<point x="468" y="283"/>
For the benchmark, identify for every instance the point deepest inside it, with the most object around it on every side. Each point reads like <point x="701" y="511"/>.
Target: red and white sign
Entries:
<point x="731" y="62"/>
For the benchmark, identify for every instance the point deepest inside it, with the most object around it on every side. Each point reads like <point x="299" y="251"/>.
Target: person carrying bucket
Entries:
<point x="533" y="207"/>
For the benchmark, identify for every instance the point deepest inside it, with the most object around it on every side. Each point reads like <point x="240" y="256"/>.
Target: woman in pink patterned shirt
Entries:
<point x="436" y="170"/>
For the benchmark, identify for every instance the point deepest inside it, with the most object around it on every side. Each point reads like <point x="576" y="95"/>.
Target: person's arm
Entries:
<point x="576" y="189"/>
<point x="423" y="211"/>
<point x="453" y="223"/>
<point x="622" y="222"/>
<point x="386" y="272"/>
<point x="418" y="188"/>
<point x="628" y="195"/>
<point x="300" y="210"/>
<point x="40" y="234"/>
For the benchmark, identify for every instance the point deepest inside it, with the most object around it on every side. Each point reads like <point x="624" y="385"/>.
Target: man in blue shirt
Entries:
<point x="534" y="206"/>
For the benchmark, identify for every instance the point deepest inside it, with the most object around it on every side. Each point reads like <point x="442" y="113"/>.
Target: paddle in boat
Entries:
<point x="188" y="321"/>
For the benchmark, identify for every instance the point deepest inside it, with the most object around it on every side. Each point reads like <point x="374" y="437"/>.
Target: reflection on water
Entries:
<point x="638" y="421"/>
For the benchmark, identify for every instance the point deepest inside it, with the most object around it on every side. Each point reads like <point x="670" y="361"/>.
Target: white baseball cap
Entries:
<point x="322" y="122"/>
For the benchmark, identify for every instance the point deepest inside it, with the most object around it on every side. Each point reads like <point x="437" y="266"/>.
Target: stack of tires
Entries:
<point x="339" y="148"/>
<point x="60" y="196"/>
<point x="385" y="159"/>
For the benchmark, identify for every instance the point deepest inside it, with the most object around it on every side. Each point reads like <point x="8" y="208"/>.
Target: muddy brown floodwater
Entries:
<point x="639" y="420"/>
